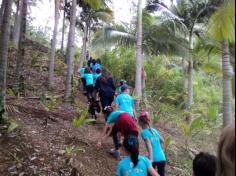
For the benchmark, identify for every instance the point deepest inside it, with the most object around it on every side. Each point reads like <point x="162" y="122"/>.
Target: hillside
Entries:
<point x="46" y="143"/>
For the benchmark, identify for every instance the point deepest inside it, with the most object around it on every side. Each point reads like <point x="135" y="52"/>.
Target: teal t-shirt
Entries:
<point x="155" y="138"/>
<point x="125" y="103"/>
<point x="96" y="76"/>
<point x="82" y="70"/>
<point x="126" y="167"/>
<point x="89" y="78"/>
<point x="112" y="118"/>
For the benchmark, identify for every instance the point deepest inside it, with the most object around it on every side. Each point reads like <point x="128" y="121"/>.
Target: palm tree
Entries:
<point x="222" y="29"/>
<point x="91" y="17"/>
<point x="54" y="43"/>
<point x="191" y="13"/>
<point x="4" y="39"/>
<point x="21" y="44"/>
<point x="70" y="50"/>
<point x="139" y="52"/>
<point x="2" y="11"/>
<point x="18" y="19"/>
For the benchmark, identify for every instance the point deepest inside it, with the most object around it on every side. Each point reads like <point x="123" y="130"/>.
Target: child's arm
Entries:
<point x="106" y="133"/>
<point x="152" y="171"/>
<point x="150" y="150"/>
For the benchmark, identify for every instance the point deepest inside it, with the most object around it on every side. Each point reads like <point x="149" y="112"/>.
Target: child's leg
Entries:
<point x="161" y="168"/>
<point x="84" y="83"/>
<point x="116" y="139"/>
<point x="89" y="92"/>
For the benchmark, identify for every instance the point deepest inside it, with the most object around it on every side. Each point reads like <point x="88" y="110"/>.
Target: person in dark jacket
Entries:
<point x="106" y="88"/>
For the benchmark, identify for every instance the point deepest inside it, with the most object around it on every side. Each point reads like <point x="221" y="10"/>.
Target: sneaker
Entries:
<point x="115" y="153"/>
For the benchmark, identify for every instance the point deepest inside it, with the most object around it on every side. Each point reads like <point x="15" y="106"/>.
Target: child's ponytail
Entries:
<point x="144" y="119"/>
<point x="131" y="144"/>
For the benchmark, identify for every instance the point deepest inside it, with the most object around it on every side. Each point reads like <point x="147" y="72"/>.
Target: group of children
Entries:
<point x="89" y="75"/>
<point x="123" y="123"/>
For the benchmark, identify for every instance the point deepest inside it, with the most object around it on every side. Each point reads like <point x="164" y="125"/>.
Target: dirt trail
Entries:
<point x="43" y="147"/>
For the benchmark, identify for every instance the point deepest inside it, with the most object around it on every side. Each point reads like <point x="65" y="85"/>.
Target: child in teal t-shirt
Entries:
<point x="134" y="164"/>
<point x="125" y="102"/>
<point x="88" y="76"/>
<point x="153" y="140"/>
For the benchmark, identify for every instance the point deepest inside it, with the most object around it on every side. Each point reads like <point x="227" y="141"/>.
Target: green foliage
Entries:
<point x="189" y="130"/>
<point x="12" y="125"/>
<point x="77" y="122"/>
<point x="222" y="23"/>
<point x="94" y="4"/>
<point x="11" y="93"/>
<point x="213" y="113"/>
<point x="34" y="59"/>
<point x="43" y="102"/>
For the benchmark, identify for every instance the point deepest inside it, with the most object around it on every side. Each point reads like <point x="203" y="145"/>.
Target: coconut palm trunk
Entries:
<point x="2" y="11"/>
<point x="21" y="46"/>
<point x="54" y="43"/>
<point x="17" y="24"/>
<point x="138" y="80"/>
<point x="4" y="39"/>
<point x="63" y="30"/>
<point x="183" y="73"/>
<point x="84" y="48"/>
<point x="227" y="78"/>
<point x="70" y="51"/>
<point x="190" y="78"/>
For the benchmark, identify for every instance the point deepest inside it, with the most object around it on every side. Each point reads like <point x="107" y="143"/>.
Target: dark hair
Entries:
<point x="99" y="61"/>
<point x="143" y="119"/>
<point x="98" y="71"/>
<point x="94" y="61"/>
<point x="131" y="145"/>
<point x="122" y="82"/>
<point x="87" y="70"/>
<point x="105" y="75"/>
<point x="204" y="164"/>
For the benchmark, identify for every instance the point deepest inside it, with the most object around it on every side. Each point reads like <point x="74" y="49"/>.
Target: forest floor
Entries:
<point x="46" y="143"/>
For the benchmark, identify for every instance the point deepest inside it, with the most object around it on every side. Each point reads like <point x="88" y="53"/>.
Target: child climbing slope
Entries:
<point x="134" y="164"/>
<point x="153" y="143"/>
<point x="88" y="76"/>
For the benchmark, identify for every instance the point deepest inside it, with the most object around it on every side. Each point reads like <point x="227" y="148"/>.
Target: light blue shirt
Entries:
<point x="155" y="139"/>
<point x="126" y="167"/>
<point x="96" y="66"/>
<point x="125" y="103"/>
<point x="89" y="78"/>
<point x="96" y="76"/>
<point x="112" y="118"/>
<point x="82" y="70"/>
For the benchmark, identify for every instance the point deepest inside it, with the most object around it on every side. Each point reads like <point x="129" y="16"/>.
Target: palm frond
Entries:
<point x="222" y="23"/>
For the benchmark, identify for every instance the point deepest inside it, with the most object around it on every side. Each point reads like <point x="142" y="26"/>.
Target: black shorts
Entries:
<point x="159" y="167"/>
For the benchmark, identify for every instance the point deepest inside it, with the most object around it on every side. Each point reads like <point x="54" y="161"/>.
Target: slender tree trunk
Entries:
<point x="54" y="43"/>
<point x="70" y="51"/>
<point x="190" y="78"/>
<point x="227" y="78"/>
<point x="89" y="41"/>
<point x="2" y="11"/>
<point x="4" y="39"/>
<point x="138" y="80"/>
<point x="21" y="46"/>
<point x="84" y="48"/>
<point x="17" y="24"/>
<point x="183" y="73"/>
<point x="63" y="31"/>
